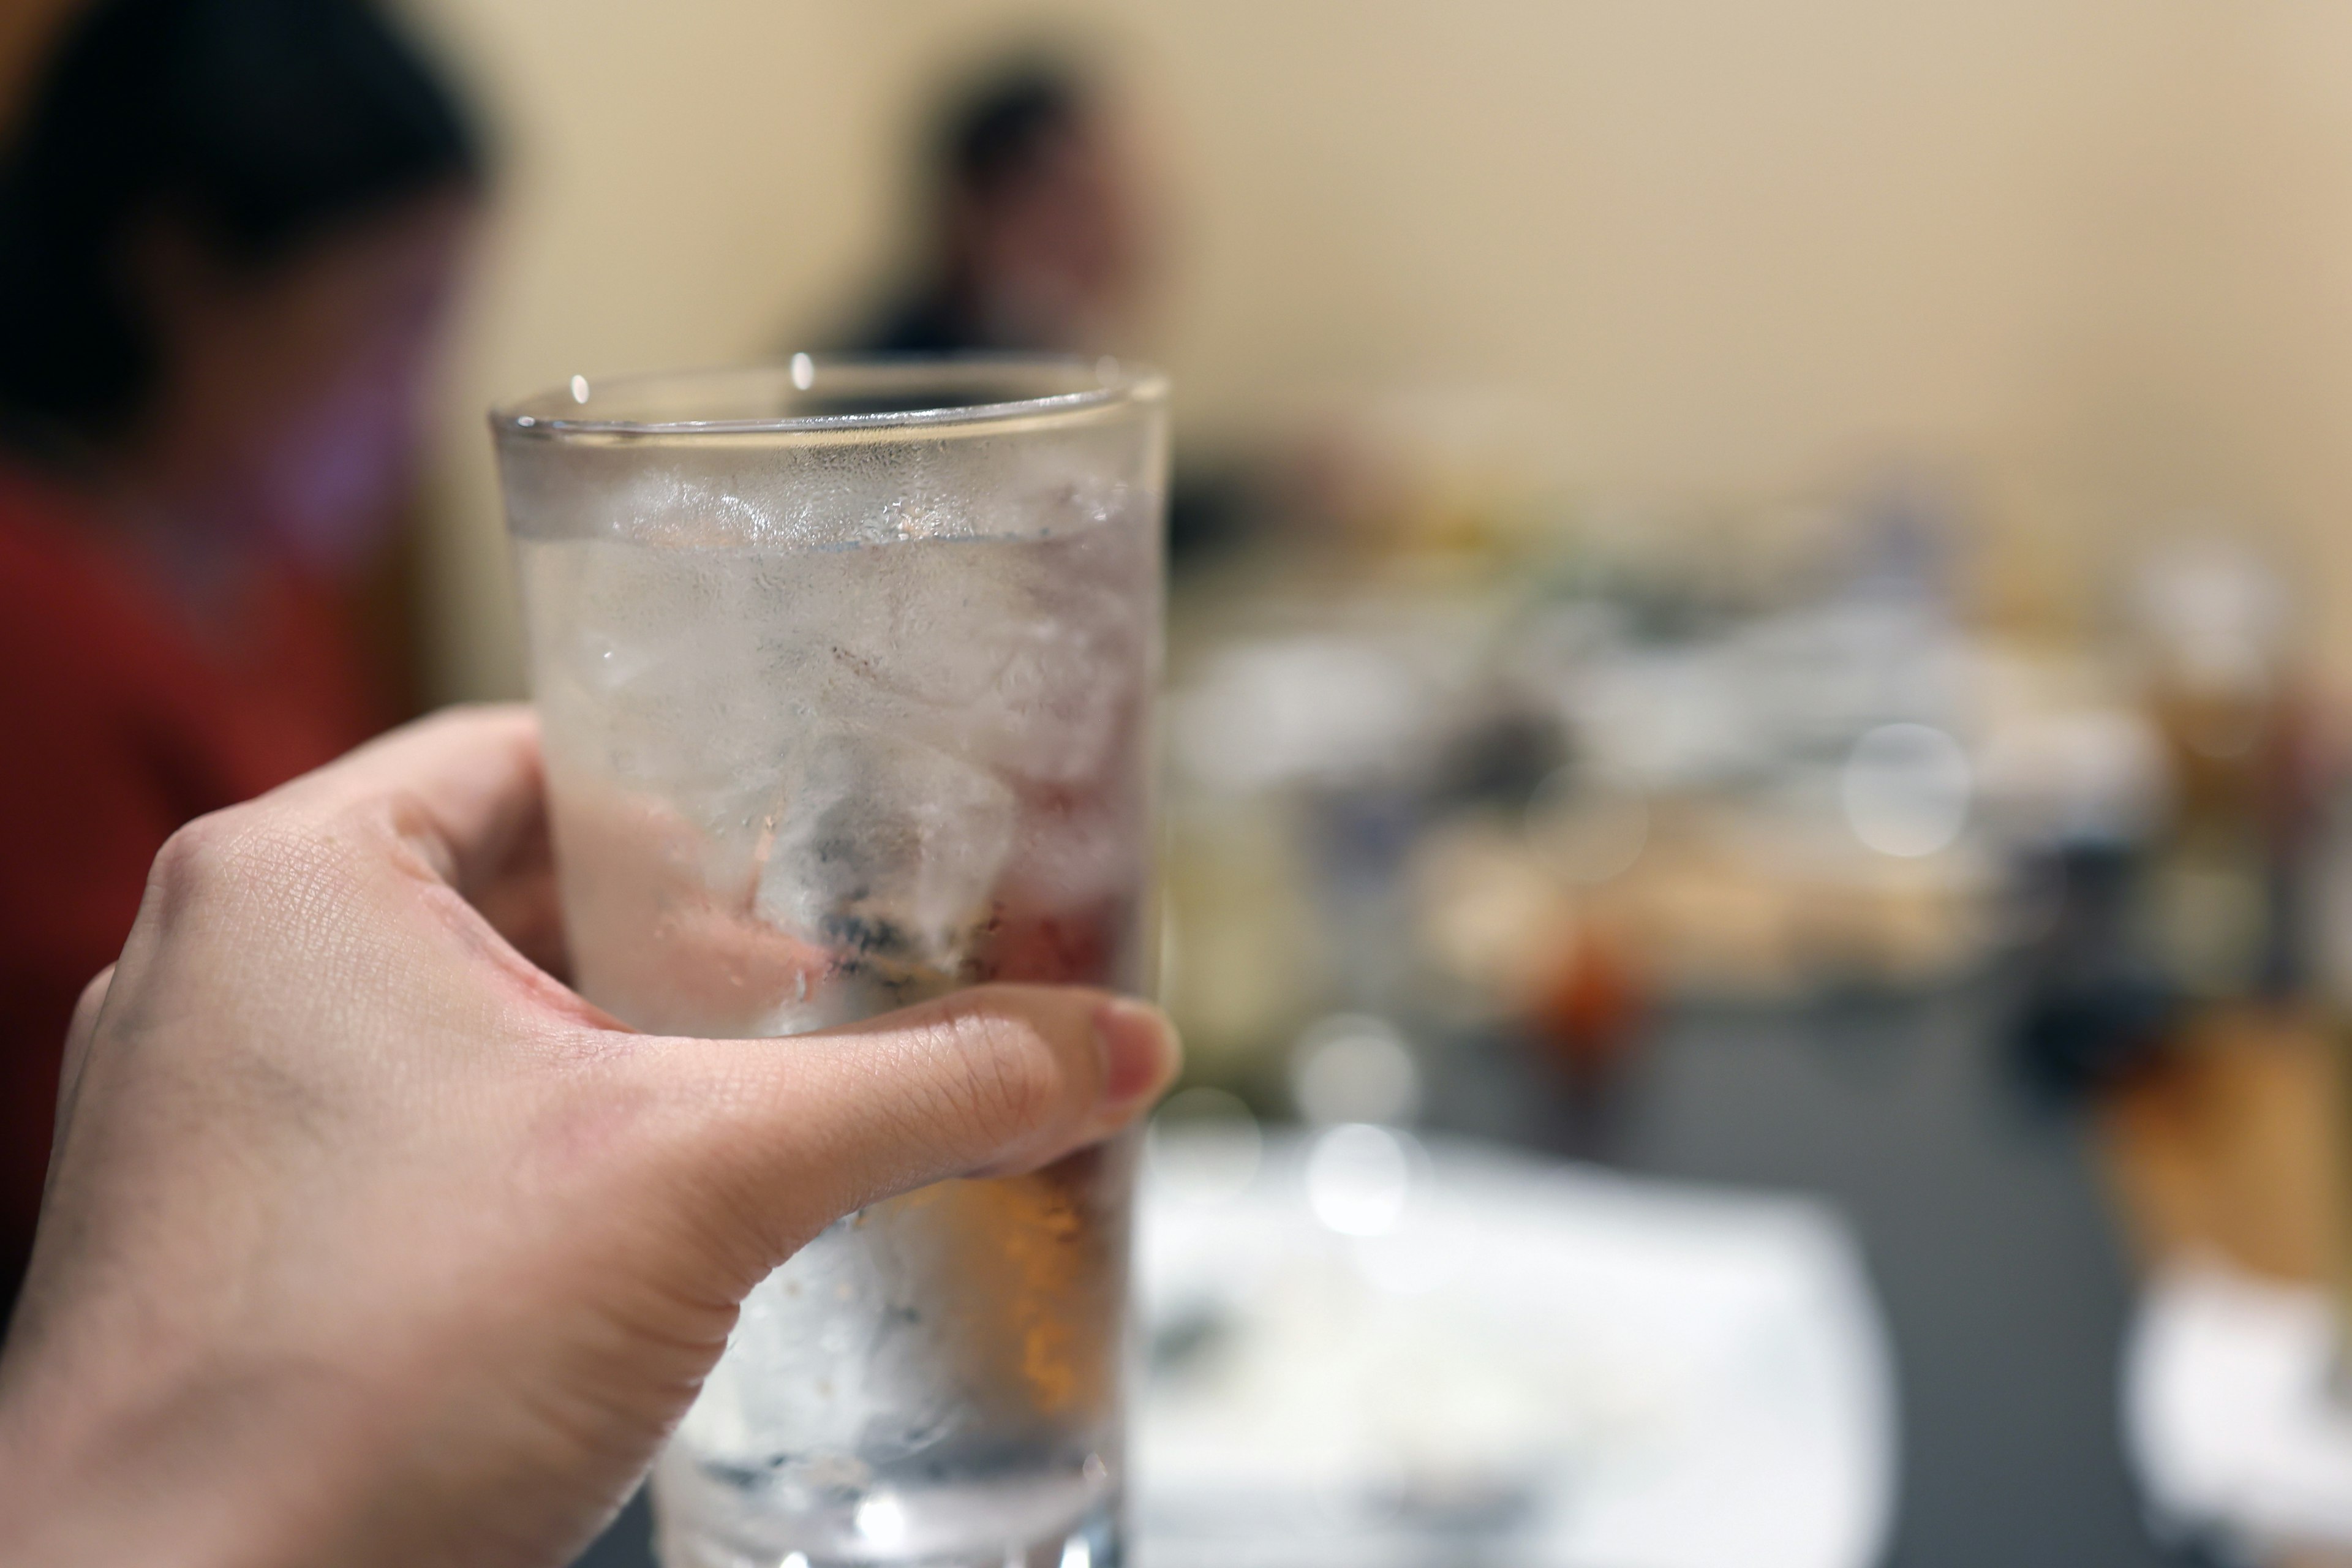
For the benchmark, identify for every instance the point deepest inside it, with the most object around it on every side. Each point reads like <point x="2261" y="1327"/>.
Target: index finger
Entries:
<point x="462" y="788"/>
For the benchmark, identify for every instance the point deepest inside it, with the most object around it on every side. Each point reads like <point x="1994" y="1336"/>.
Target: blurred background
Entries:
<point x="2087" y="259"/>
<point x="1761" y="600"/>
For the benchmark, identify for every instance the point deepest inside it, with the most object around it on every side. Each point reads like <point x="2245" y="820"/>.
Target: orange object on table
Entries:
<point x="2228" y="1145"/>
<point x="1590" y="1006"/>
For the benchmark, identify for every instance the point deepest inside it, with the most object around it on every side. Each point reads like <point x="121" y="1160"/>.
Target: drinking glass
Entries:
<point x="846" y="671"/>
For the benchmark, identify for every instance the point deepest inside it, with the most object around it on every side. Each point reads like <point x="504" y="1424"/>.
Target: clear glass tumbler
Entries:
<point x="846" y="673"/>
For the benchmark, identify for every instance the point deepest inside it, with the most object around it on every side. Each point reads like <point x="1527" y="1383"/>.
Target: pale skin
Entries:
<point x="367" y="1241"/>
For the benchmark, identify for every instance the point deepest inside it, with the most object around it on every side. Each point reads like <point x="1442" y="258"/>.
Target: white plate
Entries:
<point x="2233" y="1426"/>
<point x="1371" y="1350"/>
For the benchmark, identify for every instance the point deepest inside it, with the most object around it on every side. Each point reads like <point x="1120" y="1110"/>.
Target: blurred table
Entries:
<point x="1996" y="1258"/>
<point x="1371" y="1348"/>
<point x="1994" y="1253"/>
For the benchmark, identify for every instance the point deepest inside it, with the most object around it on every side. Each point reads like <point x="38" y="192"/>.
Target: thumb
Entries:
<point x="990" y="1082"/>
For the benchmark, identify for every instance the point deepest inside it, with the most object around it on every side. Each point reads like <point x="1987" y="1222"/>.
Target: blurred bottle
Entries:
<point x="2098" y="1001"/>
<point x="2229" y="884"/>
<point x="2331" y="908"/>
<point x="2340" y="1173"/>
<point x="1585" y="999"/>
<point x="2207" y="900"/>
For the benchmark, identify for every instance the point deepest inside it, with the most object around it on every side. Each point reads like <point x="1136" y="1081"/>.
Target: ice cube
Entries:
<point x="1020" y="653"/>
<point x="1059" y="703"/>
<point x="929" y="624"/>
<point x="625" y="622"/>
<point x="885" y="848"/>
<point x="828" y="1371"/>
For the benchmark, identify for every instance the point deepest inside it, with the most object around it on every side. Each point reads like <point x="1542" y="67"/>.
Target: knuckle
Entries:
<point x="240" y="853"/>
<point x="197" y="858"/>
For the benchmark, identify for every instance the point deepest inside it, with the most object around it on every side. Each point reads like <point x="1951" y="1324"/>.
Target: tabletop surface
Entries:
<point x="2003" y="1274"/>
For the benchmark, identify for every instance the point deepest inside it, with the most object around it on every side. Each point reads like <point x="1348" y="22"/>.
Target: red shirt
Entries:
<point x="119" y="721"/>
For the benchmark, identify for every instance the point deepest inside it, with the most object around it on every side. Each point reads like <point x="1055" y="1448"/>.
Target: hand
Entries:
<point x="367" y="1241"/>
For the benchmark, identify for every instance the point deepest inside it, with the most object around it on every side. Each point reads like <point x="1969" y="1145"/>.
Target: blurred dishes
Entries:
<point x="2233" y="1426"/>
<point x="1906" y="790"/>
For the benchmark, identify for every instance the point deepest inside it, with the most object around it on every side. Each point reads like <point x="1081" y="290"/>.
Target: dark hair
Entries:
<point x="994" y="129"/>
<point x="261" y="124"/>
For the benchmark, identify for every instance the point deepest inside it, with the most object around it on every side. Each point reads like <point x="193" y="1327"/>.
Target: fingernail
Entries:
<point x="1139" y="1047"/>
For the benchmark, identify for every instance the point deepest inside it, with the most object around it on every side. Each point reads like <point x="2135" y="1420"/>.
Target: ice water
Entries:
<point x="796" y="783"/>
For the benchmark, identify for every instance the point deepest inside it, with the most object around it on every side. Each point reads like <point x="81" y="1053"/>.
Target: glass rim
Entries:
<point x="1115" y="382"/>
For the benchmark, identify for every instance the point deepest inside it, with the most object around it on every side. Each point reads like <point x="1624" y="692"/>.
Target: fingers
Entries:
<point x="464" y="791"/>
<point x="518" y="898"/>
<point x="994" y="1080"/>
<point x="795" y="1132"/>
<point x="778" y="1137"/>
<point x="463" y="788"/>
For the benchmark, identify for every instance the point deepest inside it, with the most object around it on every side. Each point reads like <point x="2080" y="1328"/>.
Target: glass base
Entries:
<point x="1092" y="1542"/>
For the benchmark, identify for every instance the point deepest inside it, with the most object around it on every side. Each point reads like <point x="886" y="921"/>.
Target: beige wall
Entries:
<point x="2097" y="253"/>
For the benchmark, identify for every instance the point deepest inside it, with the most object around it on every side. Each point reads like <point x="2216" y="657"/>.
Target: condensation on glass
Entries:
<point x="846" y="673"/>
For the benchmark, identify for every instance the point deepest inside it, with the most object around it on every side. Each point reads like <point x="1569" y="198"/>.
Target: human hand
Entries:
<point x="367" y="1241"/>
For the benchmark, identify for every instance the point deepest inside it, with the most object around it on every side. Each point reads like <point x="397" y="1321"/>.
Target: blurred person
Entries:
<point x="228" y="231"/>
<point x="1034" y="232"/>
<point x="370" y="1242"/>
<point x="1037" y="236"/>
